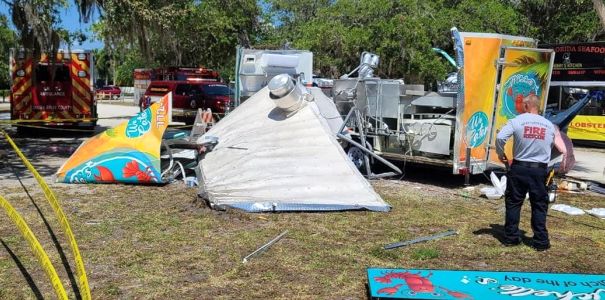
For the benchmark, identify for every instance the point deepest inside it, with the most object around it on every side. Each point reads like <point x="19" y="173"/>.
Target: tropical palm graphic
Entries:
<point x="535" y="62"/>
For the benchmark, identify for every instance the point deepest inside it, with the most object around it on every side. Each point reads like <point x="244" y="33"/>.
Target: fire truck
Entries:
<point x="53" y="94"/>
<point x="143" y="77"/>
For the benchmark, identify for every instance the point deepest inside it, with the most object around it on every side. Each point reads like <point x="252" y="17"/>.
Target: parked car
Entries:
<point x="188" y="96"/>
<point x="109" y="92"/>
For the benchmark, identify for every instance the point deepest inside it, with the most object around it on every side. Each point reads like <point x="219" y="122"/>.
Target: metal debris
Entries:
<point x="596" y="188"/>
<point x="421" y="239"/>
<point x="264" y="247"/>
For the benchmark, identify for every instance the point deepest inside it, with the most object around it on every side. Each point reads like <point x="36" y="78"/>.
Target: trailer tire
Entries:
<point x="356" y="156"/>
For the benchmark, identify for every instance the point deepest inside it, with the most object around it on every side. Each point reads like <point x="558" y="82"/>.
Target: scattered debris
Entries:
<point x="597" y="212"/>
<point x="421" y="239"/>
<point x="191" y="181"/>
<point x="467" y="191"/>
<point x="264" y="247"/>
<point x="573" y="185"/>
<point x="596" y="188"/>
<point x="570" y="210"/>
<point x="498" y="189"/>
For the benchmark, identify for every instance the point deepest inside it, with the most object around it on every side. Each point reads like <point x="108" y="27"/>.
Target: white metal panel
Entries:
<point x="266" y="161"/>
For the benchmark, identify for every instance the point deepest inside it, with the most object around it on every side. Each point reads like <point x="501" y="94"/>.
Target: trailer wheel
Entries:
<point x="356" y="156"/>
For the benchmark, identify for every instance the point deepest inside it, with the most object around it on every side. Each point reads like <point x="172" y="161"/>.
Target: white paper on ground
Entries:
<point x="570" y="210"/>
<point x="597" y="212"/>
<point x="498" y="189"/>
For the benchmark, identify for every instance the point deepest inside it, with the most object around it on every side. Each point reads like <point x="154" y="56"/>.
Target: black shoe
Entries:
<point x="511" y="243"/>
<point x="540" y="248"/>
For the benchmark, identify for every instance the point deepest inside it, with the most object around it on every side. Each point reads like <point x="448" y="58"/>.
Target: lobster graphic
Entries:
<point x="132" y="169"/>
<point x="416" y="284"/>
<point x="105" y="175"/>
<point x="391" y="290"/>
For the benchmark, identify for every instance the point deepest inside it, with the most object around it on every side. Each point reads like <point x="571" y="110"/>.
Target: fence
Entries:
<point x="127" y="92"/>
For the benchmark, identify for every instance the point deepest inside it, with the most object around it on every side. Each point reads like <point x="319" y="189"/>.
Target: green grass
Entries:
<point x="158" y="242"/>
<point x="425" y="254"/>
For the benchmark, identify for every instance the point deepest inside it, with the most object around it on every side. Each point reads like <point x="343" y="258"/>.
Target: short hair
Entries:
<point x="532" y="100"/>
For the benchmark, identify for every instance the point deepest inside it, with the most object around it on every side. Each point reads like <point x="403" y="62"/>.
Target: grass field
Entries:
<point x="159" y="242"/>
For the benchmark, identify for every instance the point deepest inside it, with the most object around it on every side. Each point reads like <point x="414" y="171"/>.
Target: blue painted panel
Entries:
<point x="478" y="285"/>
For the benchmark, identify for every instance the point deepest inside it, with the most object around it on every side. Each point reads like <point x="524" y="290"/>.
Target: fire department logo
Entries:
<point x="139" y="125"/>
<point x="476" y="129"/>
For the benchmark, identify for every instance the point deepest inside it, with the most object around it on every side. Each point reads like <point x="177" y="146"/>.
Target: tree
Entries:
<point x="600" y="8"/>
<point x="7" y="40"/>
<point x="560" y="21"/>
<point x="38" y="24"/>
<point x="178" y="33"/>
<point x="402" y="32"/>
<point x="124" y="72"/>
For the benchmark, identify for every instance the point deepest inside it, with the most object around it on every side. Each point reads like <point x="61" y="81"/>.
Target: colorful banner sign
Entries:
<point x="525" y="71"/>
<point x="578" y="62"/>
<point x="587" y="128"/>
<point x="128" y="153"/>
<point x="476" y="96"/>
<point x="461" y="285"/>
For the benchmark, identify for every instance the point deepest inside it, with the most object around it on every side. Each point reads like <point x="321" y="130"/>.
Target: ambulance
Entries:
<point x="53" y="94"/>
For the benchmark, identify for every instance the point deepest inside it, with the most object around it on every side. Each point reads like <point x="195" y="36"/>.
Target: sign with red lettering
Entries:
<point x="578" y="62"/>
<point x="587" y="128"/>
<point x="534" y="132"/>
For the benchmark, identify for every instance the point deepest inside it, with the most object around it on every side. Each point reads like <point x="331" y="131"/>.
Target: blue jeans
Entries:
<point x="520" y="180"/>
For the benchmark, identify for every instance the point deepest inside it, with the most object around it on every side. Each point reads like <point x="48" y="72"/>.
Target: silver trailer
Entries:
<point x="399" y="121"/>
<point x="254" y="68"/>
<point x="455" y="126"/>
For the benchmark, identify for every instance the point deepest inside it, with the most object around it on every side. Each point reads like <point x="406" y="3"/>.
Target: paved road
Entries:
<point x="590" y="165"/>
<point x="111" y="115"/>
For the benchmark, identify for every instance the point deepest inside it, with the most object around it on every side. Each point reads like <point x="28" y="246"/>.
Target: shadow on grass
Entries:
<point x="26" y="275"/>
<point x="64" y="260"/>
<point x="432" y="175"/>
<point x="497" y="231"/>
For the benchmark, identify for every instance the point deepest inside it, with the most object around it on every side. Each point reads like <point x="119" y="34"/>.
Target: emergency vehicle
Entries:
<point x="143" y="77"/>
<point x="53" y="94"/>
<point x="189" y="96"/>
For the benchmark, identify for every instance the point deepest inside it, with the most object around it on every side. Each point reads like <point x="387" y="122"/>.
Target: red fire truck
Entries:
<point x="53" y="94"/>
<point x="143" y="77"/>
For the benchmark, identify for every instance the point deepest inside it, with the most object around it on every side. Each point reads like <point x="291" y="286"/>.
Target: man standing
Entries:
<point x="533" y="140"/>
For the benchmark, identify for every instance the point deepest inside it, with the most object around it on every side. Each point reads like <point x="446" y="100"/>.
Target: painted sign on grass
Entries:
<point x="127" y="153"/>
<point x="444" y="284"/>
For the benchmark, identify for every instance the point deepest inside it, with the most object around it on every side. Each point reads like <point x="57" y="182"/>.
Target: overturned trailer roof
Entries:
<point x="270" y="160"/>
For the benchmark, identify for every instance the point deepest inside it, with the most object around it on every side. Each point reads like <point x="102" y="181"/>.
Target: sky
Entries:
<point x="71" y="21"/>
